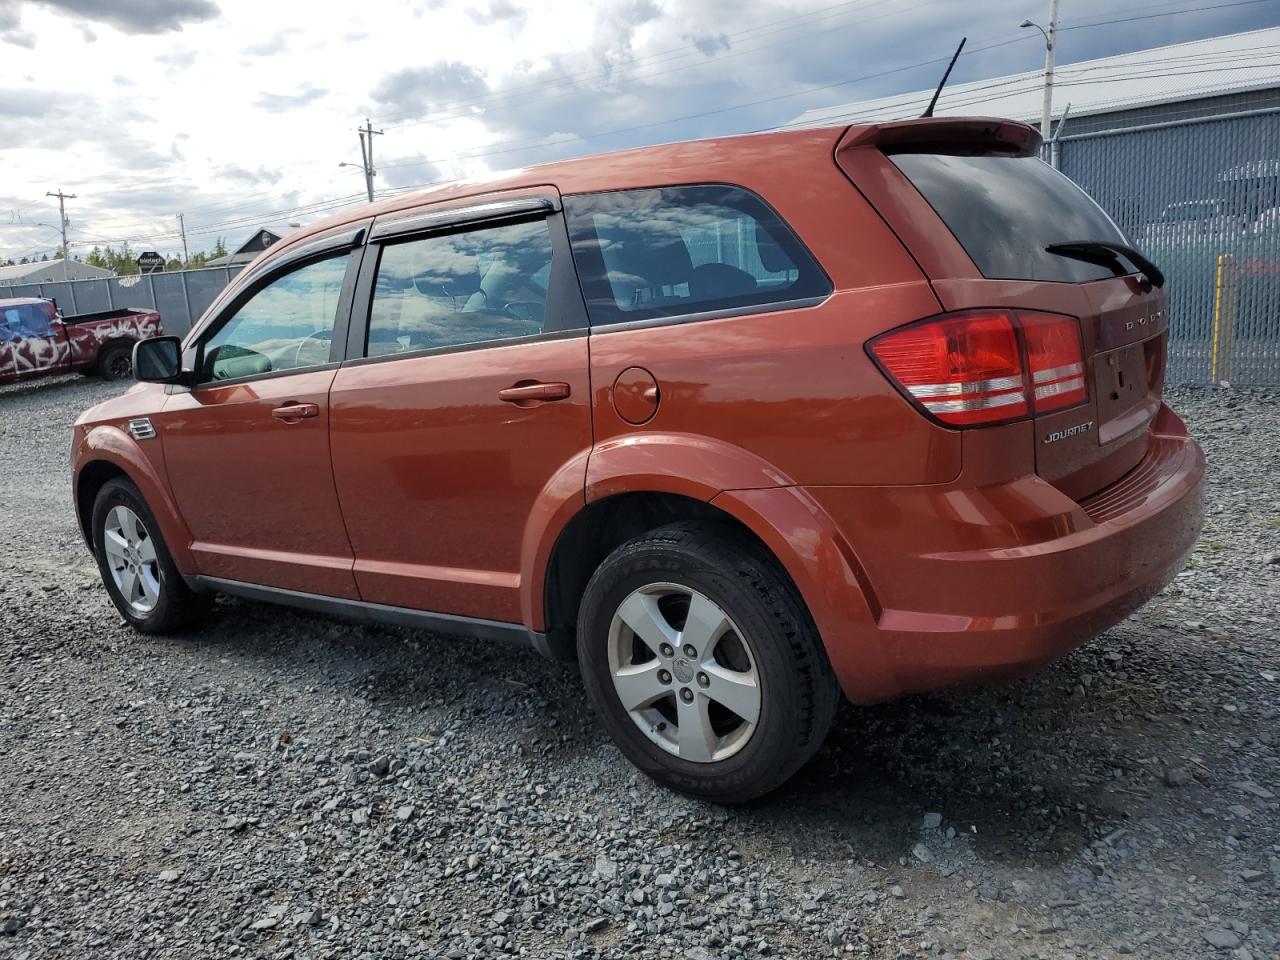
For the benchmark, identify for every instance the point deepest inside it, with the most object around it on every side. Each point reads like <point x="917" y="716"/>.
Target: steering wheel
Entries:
<point x="317" y="335"/>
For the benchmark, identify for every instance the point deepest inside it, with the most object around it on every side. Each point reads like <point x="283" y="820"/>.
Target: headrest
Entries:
<point x="716" y="281"/>
<point x="658" y="259"/>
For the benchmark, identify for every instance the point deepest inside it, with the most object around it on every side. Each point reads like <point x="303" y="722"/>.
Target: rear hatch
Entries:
<point x="985" y="190"/>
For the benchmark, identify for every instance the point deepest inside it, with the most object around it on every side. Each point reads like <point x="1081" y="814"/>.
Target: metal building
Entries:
<point x="1181" y="145"/>
<point x="47" y="271"/>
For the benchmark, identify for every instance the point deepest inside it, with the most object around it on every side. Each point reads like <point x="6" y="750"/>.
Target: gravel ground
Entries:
<point x="282" y="785"/>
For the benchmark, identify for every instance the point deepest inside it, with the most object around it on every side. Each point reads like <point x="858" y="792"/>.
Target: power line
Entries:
<point x="660" y="56"/>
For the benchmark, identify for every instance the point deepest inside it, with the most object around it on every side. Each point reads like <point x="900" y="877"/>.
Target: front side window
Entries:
<point x="450" y="290"/>
<point x="672" y="251"/>
<point x="287" y="325"/>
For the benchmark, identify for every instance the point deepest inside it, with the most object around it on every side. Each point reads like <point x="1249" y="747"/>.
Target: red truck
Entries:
<point x="36" y="341"/>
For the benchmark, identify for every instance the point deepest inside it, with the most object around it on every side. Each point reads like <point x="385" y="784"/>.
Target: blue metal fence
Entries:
<point x="180" y="297"/>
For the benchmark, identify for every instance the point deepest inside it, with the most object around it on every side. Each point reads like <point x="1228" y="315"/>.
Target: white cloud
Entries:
<point x="238" y="112"/>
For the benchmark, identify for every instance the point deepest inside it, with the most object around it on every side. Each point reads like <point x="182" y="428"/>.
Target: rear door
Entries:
<point x="980" y="222"/>
<point x="469" y="396"/>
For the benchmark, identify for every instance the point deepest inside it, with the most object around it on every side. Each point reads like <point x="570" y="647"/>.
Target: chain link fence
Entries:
<point x="1201" y="197"/>
<point x="179" y="297"/>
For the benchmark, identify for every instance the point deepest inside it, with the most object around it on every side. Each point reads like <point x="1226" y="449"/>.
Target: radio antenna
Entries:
<point x="954" y="57"/>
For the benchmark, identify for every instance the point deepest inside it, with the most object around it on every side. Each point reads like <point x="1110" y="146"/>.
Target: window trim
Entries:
<point x="566" y="312"/>
<point x="450" y="219"/>
<point x="749" y="309"/>
<point x="309" y="254"/>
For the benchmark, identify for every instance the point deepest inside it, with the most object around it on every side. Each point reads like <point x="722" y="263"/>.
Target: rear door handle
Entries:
<point x="293" y="412"/>
<point x="528" y="394"/>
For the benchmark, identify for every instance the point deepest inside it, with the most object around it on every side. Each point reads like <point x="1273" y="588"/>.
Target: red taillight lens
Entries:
<point x="967" y="369"/>
<point x="1055" y="360"/>
<point x="964" y="369"/>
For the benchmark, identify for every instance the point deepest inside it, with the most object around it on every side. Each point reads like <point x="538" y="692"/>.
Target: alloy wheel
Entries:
<point x="131" y="558"/>
<point x="684" y="672"/>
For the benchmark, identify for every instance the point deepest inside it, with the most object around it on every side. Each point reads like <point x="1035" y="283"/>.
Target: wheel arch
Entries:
<point x="598" y="529"/>
<point x="105" y="453"/>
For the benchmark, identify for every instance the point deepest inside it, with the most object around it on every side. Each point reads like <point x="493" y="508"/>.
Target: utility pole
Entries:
<point x="1050" y="43"/>
<point x="367" y="133"/>
<point x="62" y="215"/>
<point x="182" y="228"/>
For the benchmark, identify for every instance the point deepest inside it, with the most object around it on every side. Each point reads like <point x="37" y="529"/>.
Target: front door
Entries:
<point x="247" y="450"/>
<point x="9" y="338"/>
<point x="472" y="395"/>
<point x="36" y="341"/>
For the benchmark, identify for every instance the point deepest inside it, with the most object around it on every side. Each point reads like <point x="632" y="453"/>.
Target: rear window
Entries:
<point x="674" y="251"/>
<point x="1006" y="210"/>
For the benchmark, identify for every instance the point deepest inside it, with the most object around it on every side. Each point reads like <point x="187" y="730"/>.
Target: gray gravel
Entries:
<point x="281" y="785"/>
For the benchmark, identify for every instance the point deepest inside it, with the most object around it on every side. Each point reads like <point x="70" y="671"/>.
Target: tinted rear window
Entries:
<point x="675" y="251"/>
<point x="1006" y="210"/>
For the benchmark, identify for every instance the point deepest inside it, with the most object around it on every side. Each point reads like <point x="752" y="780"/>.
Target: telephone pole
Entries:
<point x="182" y="228"/>
<point x="367" y="133"/>
<point x="1050" y="50"/>
<point x="62" y="214"/>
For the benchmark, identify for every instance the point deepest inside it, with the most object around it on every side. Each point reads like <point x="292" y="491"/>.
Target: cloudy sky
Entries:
<point x="238" y="112"/>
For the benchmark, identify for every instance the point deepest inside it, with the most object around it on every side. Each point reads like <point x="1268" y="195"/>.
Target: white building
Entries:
<point x="1181" y="81"/>
<point x="47" y="271"/>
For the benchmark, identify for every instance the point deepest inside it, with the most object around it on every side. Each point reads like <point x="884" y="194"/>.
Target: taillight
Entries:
<point x="1055" y="359"/>
<point x="968" y="369"/>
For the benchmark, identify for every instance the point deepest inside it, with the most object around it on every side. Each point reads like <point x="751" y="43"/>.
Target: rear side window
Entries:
<point x="1006" y="210"/>
<point x="674" y="251"/>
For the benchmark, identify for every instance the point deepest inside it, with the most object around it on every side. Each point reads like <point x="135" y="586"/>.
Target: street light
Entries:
<point x="1046" y="112"/>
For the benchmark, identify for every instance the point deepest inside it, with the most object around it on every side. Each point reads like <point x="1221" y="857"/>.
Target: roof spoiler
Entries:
<point x="962" y="135"/>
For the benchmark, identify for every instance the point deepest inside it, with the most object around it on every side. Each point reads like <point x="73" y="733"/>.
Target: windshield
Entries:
<point x="1006" y="210"/>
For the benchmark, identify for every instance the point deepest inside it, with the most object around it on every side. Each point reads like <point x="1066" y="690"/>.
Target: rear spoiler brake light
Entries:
<point x="965" y="135"/>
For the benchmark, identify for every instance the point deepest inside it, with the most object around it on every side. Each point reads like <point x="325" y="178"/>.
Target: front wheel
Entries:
<point x="703" y="663"/>
<point x="135" y="564"/>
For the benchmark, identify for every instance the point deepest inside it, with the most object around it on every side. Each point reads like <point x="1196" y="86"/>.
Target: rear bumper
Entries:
<point x="972" y="585"/>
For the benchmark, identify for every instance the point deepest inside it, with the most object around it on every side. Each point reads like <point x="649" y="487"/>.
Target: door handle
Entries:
<point x="293" y="412"/>
<point x="527" y="394"/>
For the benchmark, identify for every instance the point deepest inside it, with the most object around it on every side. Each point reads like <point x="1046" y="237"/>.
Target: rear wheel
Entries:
<point x="135" y="564"/>
<point x="116" y="362"/>
<point x="703" y="663"/>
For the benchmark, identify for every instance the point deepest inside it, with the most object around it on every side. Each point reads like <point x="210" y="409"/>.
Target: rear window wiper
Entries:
<point x="1108" y="254"/>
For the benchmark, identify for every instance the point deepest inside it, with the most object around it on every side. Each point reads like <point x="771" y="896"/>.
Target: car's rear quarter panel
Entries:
<point x="794" y="388"/>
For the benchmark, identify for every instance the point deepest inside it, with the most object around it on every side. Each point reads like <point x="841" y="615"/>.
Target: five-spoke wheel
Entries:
<point x="703" y="663"/>
<point x="139" y="574"/>
<point x="684" y="672"/>
<point x="131" y="558"/>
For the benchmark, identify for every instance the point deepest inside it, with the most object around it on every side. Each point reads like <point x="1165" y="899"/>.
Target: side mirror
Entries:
<point x="158" y="360"/>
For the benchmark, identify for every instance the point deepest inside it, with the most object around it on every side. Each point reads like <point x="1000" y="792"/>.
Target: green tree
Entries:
<point x="219" y="250"/>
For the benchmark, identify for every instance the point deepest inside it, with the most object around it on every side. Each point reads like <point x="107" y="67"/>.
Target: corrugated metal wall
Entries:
<point x="180" y="297"/>
<point x="1201" y="197"/>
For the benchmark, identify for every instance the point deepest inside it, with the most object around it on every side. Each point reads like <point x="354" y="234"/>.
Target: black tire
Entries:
<point x="177" y="606"/>
<point x="798" y="690"/>
<point x="116" y="362"/>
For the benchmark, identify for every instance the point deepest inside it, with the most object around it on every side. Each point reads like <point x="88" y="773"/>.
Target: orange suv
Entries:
<point x="740" y="424"/>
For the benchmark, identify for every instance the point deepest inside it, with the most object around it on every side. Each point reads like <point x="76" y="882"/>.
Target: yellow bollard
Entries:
<point x="1222" y="303"/>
